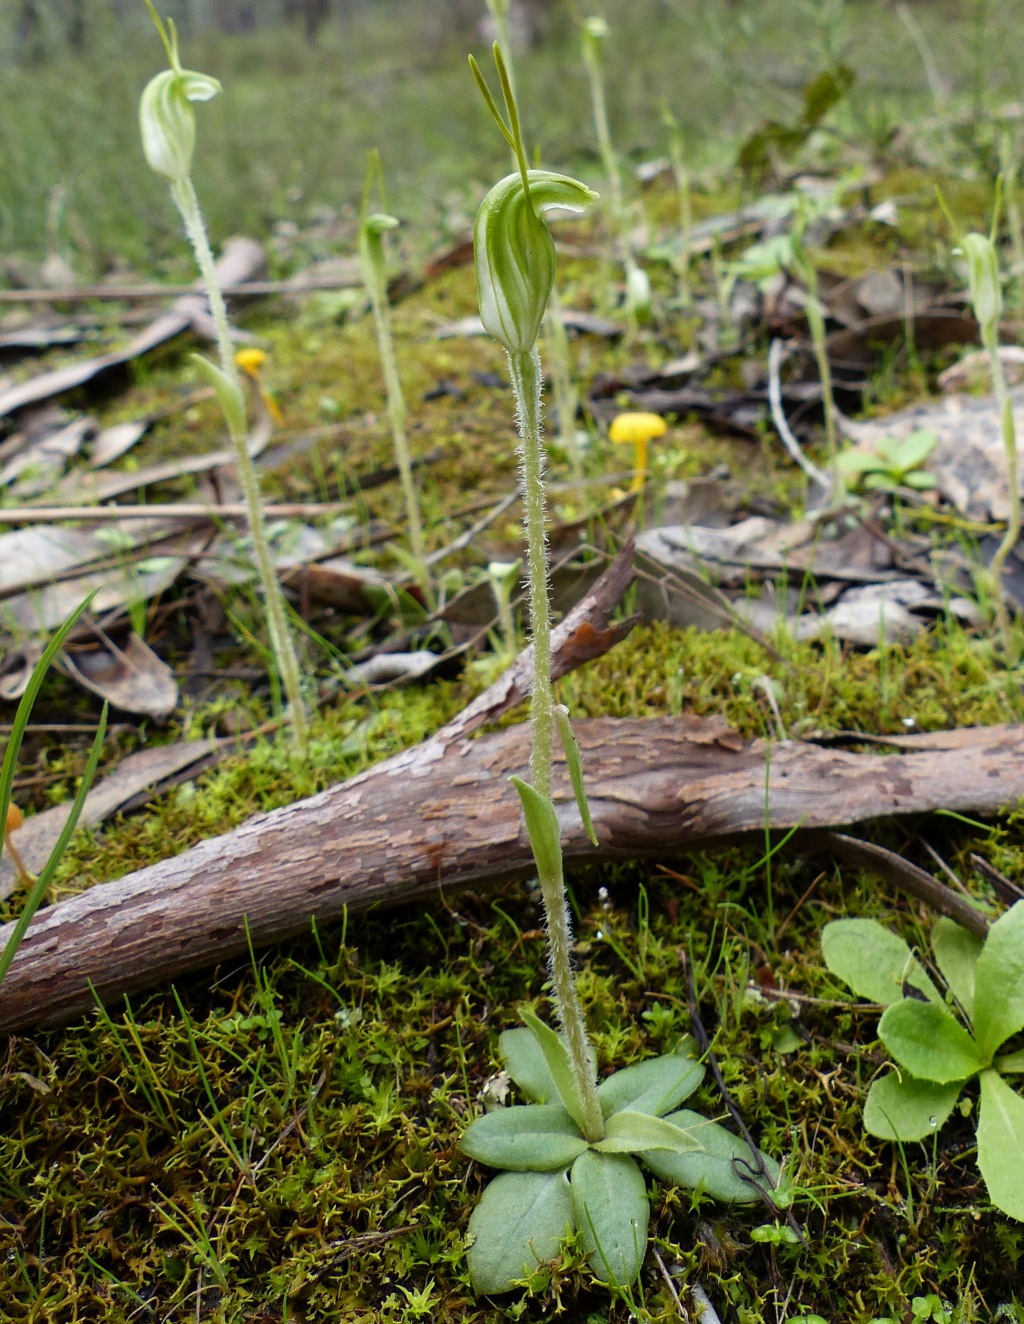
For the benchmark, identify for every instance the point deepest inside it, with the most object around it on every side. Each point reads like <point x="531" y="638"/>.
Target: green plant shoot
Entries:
<point x="515" y="270"/>
<point x="638" y="286"/>
<point x="939" y="1044"/>
<point x="168" y="127"/>
<point x="13" y="748"/>
<point x="987" y="299"/>
<point x="808" y="273"/>
<point x="373" y="226"/>
<point x="569" y="1154"/>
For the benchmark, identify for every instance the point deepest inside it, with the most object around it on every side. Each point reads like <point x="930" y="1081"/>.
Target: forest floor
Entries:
<point x="275" y="1139"/>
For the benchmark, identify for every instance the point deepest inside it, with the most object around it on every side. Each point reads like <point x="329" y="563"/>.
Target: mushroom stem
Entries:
<point x="14" y="821"/>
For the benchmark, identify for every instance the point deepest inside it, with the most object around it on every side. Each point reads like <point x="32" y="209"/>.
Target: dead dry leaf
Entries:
<point x="149" y="767"/>
<point x="129" y="676"/>
<point x="241" y="260"/>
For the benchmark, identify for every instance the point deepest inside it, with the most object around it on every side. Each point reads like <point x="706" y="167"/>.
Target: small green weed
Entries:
<point x="985" y="984"/>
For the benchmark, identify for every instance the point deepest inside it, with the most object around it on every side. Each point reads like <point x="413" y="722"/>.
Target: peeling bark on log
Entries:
<point x="442" y="816"/>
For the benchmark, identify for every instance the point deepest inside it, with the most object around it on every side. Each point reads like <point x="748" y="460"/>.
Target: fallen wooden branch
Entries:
<point x="442" y="816"/>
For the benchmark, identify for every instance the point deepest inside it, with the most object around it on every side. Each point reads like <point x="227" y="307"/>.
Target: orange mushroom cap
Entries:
<point x="14" y="818"/>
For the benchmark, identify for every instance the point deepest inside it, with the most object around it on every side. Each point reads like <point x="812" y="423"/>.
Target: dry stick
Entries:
<point x="183" y="511"/>
<point x="704" y="1047"/>
<point x="776" y="357"/>
<point x="153" y="290"/>
<point x="902" y="874"/>
<point x="1007" y="891"/>
<point x="474" y="530"/>
<point x="683" y="1313"/>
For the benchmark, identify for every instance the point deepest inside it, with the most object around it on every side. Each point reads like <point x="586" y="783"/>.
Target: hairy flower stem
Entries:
<point x="396" y="416"/>
<point x="526" y="383"/>
<point x="990" y="337"/>
<point x="185" y="199"/>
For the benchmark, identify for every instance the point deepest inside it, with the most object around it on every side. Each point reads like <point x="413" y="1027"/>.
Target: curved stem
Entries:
<point x="526" y="382"/>
<point x="185" y="199"/>
<point x="618" y="229"/>
<point x="1005" y="406"/>
<point x="396" y="416"/>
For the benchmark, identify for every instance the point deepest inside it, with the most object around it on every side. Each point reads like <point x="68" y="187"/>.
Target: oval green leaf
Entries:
<point x="722" y="1164"/>
<point x="925" y="1038"/>
<point x="609" y="1203"/>
<point x="525" y="1062"/>
<point x="956" y="955"/>
<point x="635" y="1133"/>
<point x="520" y="1222"/>
<point x="536" y="1137"/>
<point x="873" y="961"/>
<point x="1001" y="1144"/>
<point x="904" y="1108"/>
<point x="999" y="982"/>
<point x="655" y="1086"/>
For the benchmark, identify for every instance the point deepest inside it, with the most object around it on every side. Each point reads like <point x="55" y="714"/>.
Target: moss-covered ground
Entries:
<point x="276" y="1139"/>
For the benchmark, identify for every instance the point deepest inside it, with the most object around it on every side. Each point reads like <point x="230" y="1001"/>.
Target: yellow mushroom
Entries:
<point x="637" y="430"/>
<point x="14" y="821"/>
<point x="250" y="361"/>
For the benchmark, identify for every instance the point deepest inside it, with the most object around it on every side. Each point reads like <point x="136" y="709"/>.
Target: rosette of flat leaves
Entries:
<point x="167" y="121"/>
<point x="940" y="1043"/>
<point x="555" y="1182"/>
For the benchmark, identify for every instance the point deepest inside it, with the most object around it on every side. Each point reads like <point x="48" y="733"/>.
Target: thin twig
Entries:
<point x="684" y="1314"/>
<point x="908" y="877"/>
<point x="757" y="1165"/>
<point x="776" y="357"/>
<point x="950" y="873"/>
<point x="464" y="539"/>
<point x="1007" y="890"/>
<point x="184" y="511"/>
<point x="154" y="290"/>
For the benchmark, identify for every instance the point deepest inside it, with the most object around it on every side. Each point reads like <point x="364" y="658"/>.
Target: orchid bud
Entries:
<point x="595" y="31"/>
<point x="985" y="282"/>
<point x="515" y="254"/>
<point x="166" y="118"/>
<point x="638" y="292"/>
<point x="504" y="577"/>
<point x="371" y="250"/>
